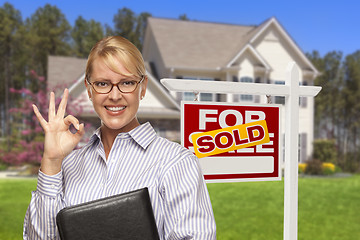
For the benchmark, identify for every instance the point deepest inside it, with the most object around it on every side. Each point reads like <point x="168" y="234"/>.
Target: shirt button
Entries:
<point x="52" y="186"/>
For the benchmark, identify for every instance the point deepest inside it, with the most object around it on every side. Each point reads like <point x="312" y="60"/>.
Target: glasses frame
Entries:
<point x="117" y="85"/>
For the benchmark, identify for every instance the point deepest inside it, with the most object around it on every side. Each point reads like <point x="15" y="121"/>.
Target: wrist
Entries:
<point x="50" y="166"/>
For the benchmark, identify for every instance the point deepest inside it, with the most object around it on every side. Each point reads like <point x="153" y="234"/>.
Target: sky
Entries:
<point x="321" y="25"/>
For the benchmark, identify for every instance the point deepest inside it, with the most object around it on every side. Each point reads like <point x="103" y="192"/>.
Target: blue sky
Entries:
<point x="313" y="24"/>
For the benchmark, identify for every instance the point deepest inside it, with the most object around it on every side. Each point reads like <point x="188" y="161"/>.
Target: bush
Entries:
<point x="302" y="167"/>
<point x="325" y="150"/>
<point x="314" y="167"/>
<point x="328" y="168"/>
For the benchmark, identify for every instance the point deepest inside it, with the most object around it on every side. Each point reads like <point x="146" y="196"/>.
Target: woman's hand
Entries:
<point x="59" y="141"/>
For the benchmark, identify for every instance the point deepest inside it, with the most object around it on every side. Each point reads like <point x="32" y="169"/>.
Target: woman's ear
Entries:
<point x="143" y="87"/>
<point x="88" y="88"/>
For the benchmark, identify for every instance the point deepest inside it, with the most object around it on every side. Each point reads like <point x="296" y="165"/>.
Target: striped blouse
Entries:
<point x="137" y="159"/>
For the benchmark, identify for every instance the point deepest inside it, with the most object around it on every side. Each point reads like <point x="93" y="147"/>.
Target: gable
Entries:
<point x="274" y="49"/>
<point x="278" y="48"/>
<point x="186" y="44"/>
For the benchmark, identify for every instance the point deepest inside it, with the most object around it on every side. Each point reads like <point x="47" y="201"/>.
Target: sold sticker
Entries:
<point x="230" y="138"/>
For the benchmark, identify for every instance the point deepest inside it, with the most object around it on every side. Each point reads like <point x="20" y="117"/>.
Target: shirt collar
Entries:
<point x="142" y="135"/>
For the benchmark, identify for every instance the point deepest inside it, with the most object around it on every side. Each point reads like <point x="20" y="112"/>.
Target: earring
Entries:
<point x="142" y="97"/>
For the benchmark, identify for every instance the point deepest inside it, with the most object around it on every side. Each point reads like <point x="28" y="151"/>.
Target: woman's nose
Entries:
<point x="115" y="93"/>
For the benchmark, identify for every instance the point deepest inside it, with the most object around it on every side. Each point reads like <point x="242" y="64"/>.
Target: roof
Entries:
<point x="63" y="71"/>
<point x="205" y="45"/>
<point x="194" y="43"/>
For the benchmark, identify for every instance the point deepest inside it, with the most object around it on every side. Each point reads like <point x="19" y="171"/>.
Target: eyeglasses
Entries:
<point x="124" y="86"/>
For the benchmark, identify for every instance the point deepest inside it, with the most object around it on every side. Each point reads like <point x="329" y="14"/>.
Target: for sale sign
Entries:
<point x="233" y="142"/>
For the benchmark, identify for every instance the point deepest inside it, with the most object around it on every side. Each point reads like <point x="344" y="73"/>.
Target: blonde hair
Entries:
<point x="113" y="49"/>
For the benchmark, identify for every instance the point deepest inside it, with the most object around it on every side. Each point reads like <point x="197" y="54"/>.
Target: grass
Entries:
<point x="328" y="208"/>
<point x="15" y="196"/>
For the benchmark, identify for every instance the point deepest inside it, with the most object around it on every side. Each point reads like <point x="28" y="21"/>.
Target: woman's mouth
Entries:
<point x="115" y="109"/>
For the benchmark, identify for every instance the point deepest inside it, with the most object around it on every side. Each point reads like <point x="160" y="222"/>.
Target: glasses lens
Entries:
<point x="127" y="86"/>
<point x="102" y="86"/>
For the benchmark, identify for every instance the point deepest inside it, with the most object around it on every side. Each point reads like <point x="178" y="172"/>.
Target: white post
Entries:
<point x="291" y="153"/>
<point x="292" y="91"/>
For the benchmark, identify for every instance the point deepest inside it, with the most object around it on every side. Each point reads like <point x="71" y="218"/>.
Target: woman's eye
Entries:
<point x="128" y="83"/>
<point x="101" y="84"/>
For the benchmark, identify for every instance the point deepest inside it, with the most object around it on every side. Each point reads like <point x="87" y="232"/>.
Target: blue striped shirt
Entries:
<point x="137" y="159"/>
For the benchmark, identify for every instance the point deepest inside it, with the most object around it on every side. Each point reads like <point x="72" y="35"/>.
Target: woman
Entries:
<point x="121" y="156"/>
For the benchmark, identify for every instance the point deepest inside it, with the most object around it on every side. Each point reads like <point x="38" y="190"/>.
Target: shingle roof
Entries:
<point x="64" y="71"/>
<point x="190" y="44"/>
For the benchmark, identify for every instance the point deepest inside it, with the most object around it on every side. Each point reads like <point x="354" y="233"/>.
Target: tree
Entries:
<point x="351" y="96"/>
<point x="130" y="26"/>
<point x="49" y="34"/>
<point x="85" y="34"/>
<point x="328" y="104"/>
<point x="124" y="22"/>
<point x="337" y="107"/>
<point x="184" y="17"/>
<point x="12" y="66"/>
<point x="28" y="136"/>
<point x="141" y="24"/>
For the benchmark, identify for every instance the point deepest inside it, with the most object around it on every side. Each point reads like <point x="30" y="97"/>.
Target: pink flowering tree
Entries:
<point x="28" y="137"/>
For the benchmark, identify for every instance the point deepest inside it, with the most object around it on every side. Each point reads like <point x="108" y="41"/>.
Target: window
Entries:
<point x="243" y="97"/>
<point x="246" y="97"/>
<point x="206" y="97"/>
<point x="279" y="99"/>
<point x="303" y="100"/>
<point x="190" y="96"/>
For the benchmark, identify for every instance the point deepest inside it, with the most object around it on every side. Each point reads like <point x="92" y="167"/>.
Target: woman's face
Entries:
<point x="116" y="110"/>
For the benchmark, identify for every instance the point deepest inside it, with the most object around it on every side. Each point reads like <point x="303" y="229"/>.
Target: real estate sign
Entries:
<point x="233" y="142"/>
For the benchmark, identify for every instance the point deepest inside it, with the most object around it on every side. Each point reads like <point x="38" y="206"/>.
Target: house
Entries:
<point x="225" y="52"/>
<point x="205" y="51"/>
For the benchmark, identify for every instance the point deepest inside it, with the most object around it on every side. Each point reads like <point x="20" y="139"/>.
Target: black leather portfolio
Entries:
<point x="124" y="216"/>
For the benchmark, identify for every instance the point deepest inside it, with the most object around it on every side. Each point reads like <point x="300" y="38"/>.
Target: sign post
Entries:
<point x="292" y="91"/>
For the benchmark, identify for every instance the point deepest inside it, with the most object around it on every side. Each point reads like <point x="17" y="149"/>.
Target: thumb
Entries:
<point x="81" y="131"/>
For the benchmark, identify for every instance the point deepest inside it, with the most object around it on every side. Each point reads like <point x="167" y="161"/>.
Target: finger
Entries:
<point x="81" y="130"/>
<point x="52" y="106"/>
<point x="72" y="120"/>
<point x="63" y="103"/>
<point x="38" y="115"/>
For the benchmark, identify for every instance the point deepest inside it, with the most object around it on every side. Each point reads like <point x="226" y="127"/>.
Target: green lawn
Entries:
<point x="15" y="196"/>
<point x="328" y="208"/>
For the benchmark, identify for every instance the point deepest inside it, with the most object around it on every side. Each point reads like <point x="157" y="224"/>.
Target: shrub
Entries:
<point x="328" y="168"/>
<point x="325" y="150"/>
<point x="314" y="167"/>
<point x="27" y="139"/>
<point x="302" y="167"/>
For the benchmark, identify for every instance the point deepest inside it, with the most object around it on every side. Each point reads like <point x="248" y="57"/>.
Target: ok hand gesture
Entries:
<point x="59" y="140"/>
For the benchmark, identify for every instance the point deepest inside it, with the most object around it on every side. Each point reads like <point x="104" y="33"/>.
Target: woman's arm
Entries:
<point x="48" y="199"/>
<point x="187" y="205"/>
